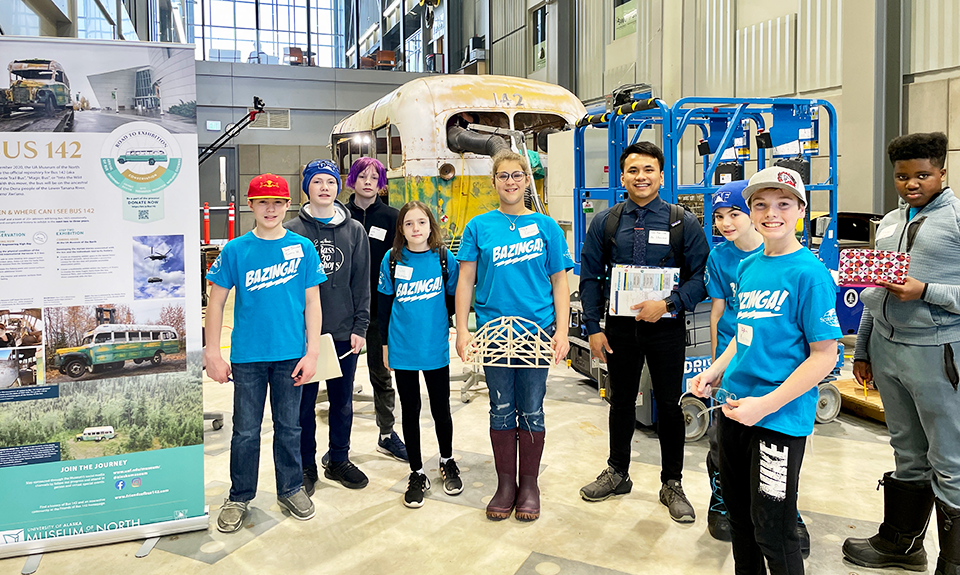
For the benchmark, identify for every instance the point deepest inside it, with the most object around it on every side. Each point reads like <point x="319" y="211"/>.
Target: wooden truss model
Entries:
<point x="510" y="342"/>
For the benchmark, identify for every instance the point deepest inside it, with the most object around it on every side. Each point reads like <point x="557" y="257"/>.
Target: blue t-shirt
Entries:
<point x="514" y="267"/>
<point x="419" y="334"/>
<point x="784" y="303"/>
<point x="721" y="282"/>
<point x="271" y="277"/>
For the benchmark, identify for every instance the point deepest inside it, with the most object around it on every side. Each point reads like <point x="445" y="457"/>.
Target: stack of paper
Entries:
<point x="630" y="285"/>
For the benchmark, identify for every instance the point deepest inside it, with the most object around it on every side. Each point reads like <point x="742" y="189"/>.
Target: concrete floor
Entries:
<point x="370" y="532"/>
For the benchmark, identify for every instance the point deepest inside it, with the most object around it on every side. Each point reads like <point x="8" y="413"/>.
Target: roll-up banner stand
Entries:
<point x="101" y="406"/>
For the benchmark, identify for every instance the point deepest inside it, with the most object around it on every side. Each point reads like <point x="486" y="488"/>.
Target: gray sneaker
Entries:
<point x="671" y="495"/>
<point x="608" y="484"/>
<point x="299" y="505"/>
<point x="231" y="516"/>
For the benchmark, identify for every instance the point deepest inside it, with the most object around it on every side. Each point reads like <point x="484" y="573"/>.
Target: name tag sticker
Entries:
<point x="744" y="334"/>
<point x="659" y="237"/>
<point x="886" y="232"/>
<point x="527" y="231"/>
<point x="404" y="272"/>
<point x="292" y="252"/>
<point x="377" y="233"/>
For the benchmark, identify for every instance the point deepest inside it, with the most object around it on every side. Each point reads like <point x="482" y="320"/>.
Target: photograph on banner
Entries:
<point x="21" y="355"/>
<point x="158" y="271"/>
<point x="115" y="340"/>
<point x="52" y="90"/>
<point x="92" y="419"/>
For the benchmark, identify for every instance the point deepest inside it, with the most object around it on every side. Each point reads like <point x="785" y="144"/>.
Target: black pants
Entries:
<point x="759" y="470"/>
<point x="438" y="390"/>
<point x="384" y="398"/>
<point x="662" y="346"/>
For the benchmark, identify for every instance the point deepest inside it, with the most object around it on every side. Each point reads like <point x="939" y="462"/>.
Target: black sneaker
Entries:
<point x="310" y="478"/>
<point x="393" y="447"/>
<point x="418" y="484"/>
<point x="671" y="495"/>
<point x="608" y="484"/>
<point x="346" y="474"/>
<point x="450" y="473"/>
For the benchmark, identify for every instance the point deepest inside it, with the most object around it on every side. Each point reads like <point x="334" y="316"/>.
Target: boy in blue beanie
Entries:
<point x="344" y="250"/>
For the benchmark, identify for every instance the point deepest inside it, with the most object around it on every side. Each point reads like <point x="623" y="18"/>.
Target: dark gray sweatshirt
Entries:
<point x="345" y="252"/>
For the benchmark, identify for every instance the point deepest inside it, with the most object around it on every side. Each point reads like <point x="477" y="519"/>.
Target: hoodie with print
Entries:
<point x="345" y="252"/>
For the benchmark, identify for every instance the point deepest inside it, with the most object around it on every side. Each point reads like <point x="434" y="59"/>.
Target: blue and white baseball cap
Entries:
<point x="730" y="195"/>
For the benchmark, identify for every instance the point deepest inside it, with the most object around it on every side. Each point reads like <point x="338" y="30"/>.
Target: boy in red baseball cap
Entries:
<point x="275" y="345"/>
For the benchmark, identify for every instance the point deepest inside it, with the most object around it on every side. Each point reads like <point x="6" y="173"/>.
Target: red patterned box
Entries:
<point x="867" y="267"/>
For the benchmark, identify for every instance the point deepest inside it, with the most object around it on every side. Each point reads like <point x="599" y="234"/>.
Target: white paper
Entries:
<point x="659" y="237"/>
<point x="292" y="252"/>
<point x="377" y="233"/>
<point x="527" y="231"/>
<point x="886" y="232"/>
<point x="744" y="334"/>
<point x="404" y="272"/>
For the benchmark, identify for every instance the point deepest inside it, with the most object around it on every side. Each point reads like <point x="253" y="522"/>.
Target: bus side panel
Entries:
<point x="454" y="202"/>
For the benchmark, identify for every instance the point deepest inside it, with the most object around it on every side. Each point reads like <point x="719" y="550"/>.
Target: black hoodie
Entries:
<point x="345" y="252"/>
<point x="378" y="215"/>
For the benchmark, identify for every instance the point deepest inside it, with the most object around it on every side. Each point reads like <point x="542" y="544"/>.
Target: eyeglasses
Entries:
<point x="720" y="397"/>
<point x="517" y="176"/>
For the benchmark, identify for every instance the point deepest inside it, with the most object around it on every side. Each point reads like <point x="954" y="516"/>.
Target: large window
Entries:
<point x="296" y="32"/>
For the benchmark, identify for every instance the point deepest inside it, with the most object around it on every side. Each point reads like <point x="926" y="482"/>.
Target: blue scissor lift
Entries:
<point x="787" y="126"/>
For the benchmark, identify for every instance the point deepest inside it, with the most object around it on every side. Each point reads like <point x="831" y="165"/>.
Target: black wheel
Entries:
<point x="138" y="361"/>
<point x="151" y="161"/>
<point x="217" y="424"/>
<point x="75" y="368"/>
<point x="120" y="160"/>
<point x="694" y="427"/>
<point x="99" y="439"/>
<point x="828" y="403"/>
<point x="157" y="358"/>
<point x="50" y="105"/>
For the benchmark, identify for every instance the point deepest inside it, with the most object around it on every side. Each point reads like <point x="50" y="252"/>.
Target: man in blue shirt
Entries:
<point x="643" y="238"/>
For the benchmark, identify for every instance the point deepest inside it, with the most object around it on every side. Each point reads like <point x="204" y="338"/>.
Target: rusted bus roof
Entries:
<point x="419" y="107"/>
<point x="35" y="64"/>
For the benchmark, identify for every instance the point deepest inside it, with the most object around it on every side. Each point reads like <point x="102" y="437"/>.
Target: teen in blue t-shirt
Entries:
<point x="518" y="261"/>
<point x="784" y="346"/>
<point x="414" y="328"/>
<point x="275" y="343"/>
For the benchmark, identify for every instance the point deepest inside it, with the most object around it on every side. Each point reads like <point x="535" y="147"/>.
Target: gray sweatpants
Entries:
<point x="922" y="408"/>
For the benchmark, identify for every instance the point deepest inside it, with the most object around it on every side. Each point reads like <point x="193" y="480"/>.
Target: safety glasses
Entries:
<point x="720" y="397"/>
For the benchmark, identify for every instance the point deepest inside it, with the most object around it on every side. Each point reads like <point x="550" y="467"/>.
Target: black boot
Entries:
<point x="717" y="523"/>
<point x="899" y="543"/>
<point x="948" y="526"/>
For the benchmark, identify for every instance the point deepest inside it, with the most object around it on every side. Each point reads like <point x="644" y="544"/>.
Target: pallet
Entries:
<point x="851" y="394"/>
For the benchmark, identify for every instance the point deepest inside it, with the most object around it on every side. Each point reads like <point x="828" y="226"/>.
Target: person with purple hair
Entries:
<point x="368" y="179"/>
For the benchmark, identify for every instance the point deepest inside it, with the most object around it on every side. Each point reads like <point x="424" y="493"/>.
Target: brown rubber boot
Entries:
<point x="504" y="443"/>
<point x="528" y="498"/>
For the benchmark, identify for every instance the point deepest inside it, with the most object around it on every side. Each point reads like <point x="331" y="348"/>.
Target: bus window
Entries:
<point x="352" y="146"/>
<point x="133" y="336"/>
<point x="383" y="146"/>
<point x="464" y="119"/>
<point x="395" y="149"/>
<point x="155" y="336"/>
<point x="103" y="338"/>
<point x="171" y="335"/>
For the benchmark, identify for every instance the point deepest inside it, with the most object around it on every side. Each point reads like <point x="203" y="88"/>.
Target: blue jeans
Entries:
<point x="250" y="382"/>
<point x="340" y="393"/>
<point x="516" y="396"/>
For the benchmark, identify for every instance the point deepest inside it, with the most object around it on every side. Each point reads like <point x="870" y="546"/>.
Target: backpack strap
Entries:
<point x="393" y="271"/>
<point x="610" y="234"/>
<point x="676" y="241"/>
<point x="443" y="266"/>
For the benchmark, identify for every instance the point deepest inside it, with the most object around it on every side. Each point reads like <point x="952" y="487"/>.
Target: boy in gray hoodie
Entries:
<point x="908" y="340"/>
<point x="344" y="250"/>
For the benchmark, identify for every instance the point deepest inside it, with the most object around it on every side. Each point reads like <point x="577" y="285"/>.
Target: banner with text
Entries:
<point x="101" y="406"/>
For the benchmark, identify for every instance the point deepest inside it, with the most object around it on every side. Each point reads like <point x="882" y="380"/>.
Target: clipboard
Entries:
<point x="328" y="364"/>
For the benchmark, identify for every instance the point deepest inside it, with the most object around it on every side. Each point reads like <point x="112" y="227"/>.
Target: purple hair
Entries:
<point x="362" y="164"/>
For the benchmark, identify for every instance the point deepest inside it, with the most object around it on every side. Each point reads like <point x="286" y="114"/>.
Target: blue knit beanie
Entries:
<point x="319" y="167"/>
<point x="730" y="195"/>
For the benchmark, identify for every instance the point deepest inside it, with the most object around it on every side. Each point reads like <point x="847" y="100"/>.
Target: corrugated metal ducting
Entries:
<point x="934" y="32"/>
<point x="766" y="58"/>
<point x="819" y="54"/>
<point x="715" y="43"/>
<point x="591" y="42"/>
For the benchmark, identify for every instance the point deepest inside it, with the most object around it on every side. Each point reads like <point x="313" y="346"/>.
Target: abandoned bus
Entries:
<point x="97" y="433"/>
<point x="435" y="136"/>
<point x="108" y="346"/>
<point x="37" y="84"/>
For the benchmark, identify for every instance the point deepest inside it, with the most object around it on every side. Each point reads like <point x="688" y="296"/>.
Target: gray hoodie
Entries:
<point x="345" y="252"/>
<point x="932" y="238"/>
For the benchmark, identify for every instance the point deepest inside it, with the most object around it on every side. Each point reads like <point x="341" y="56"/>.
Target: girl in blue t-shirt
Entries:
<point x="414" y="283"/>
<point x="518" y="261"/>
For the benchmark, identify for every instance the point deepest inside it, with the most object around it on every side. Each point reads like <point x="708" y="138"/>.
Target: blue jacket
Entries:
<point x="593" y="288"/>
<point x="932" y="238"/>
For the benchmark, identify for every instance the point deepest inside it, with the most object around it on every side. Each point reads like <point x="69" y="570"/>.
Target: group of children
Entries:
<point x="773" y="331"/>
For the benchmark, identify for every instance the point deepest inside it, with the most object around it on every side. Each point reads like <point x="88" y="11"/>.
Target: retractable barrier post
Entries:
<point x="231" y="215"/>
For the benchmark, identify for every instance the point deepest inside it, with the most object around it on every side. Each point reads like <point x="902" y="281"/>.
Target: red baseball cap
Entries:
<point x="268" y="186"/>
